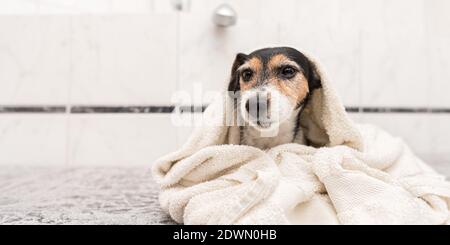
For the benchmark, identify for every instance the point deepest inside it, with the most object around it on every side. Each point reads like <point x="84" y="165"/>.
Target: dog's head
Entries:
<point x="274" y="83"/>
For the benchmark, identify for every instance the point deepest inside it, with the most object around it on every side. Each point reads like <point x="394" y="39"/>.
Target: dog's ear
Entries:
<point x="234" y="85"/>
<point x="314" y="79"/>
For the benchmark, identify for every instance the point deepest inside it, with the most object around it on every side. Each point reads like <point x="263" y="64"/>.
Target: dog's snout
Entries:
<point x="258" y="105"/>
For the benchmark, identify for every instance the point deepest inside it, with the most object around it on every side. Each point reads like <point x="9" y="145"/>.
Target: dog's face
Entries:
<point x="273" y="84"/>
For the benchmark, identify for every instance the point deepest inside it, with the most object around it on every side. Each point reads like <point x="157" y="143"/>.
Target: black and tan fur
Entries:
<point x="284" y="70"/>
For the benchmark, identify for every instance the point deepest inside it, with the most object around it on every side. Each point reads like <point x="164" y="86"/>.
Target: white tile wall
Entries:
<point x="324" y="30"/>
<point x="12" y="7"/>
<point x="394" y="55"/>
<point x="125" y="140"/>
<point x="34" y="59"/>
<point x="123" y="59"/>
<point x="437" y="23"/>
<point x="86" y="139"/>
<point x="414" y="129"/>
<point x="61" y="7"/>
<point x="439" y="71"/>
<point x="437" y="17"/>
<point x="33" y="139"/>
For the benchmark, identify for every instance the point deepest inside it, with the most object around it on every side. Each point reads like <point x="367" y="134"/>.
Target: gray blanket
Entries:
<point x="79" y="196"/>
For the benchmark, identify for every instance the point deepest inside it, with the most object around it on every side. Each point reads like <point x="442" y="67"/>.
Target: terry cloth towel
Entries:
<point x="351" y="174"/>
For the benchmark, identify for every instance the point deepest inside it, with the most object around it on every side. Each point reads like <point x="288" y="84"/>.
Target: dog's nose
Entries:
<point x="258" y="105"/>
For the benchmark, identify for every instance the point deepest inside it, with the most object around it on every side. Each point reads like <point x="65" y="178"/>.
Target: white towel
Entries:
<point x="354" y="174"/>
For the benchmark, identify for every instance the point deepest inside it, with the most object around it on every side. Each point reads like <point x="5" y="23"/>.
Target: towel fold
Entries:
<point x="350" y="174"/>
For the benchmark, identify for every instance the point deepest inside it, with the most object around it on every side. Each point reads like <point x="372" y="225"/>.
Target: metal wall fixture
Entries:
<point x="224" y="16"/>
<point x="181" y="5"/>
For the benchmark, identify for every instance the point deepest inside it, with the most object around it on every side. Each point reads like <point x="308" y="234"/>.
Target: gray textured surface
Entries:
<point x="32" y="195"/>
<point x="79" y="196"/>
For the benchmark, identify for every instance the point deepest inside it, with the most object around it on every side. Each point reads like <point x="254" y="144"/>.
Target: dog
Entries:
<point x="274" y="85"/>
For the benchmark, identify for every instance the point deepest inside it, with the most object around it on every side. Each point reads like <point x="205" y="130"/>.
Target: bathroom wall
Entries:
<point x="82" y="81"/>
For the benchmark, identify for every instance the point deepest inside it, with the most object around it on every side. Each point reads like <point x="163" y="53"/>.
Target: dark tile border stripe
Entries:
<point x="352" y="109"/>
<point x="440" y="110"/>
<point x="32" y="109"/>
<point x="193" y="109"/>
<point x="121" y="109"/>
<point x="136" y="109"/>
<point x="390" y="110"/>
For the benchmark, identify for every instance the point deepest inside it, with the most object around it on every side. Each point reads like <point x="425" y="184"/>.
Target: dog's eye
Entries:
<point x="288" y="72"/>
<point x="247" y="75"/>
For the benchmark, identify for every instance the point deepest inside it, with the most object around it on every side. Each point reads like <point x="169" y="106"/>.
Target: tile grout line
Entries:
<point x="178" y="60"/>
<point x="69" y="95"/>
<point x="166" y="109"/>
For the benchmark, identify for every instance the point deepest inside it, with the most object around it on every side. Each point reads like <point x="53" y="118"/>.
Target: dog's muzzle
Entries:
<point x="258" y="108"/>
